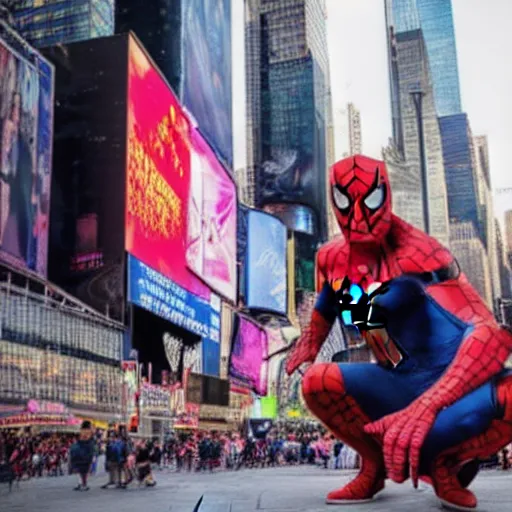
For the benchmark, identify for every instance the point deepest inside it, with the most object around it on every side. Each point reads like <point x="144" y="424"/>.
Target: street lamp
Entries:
<point x="417" y="95"/>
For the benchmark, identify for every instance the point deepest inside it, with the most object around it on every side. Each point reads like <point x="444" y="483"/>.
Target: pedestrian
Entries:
<point x="143" y="465"/>
<point x="82" y="454"/>
<point x="112" y="460"/>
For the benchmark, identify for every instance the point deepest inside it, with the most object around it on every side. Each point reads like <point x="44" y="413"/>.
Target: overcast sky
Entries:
<point x="357" y="48"/>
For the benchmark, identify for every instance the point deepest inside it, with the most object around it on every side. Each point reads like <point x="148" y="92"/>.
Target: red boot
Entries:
<point x="324" y="392"/>
<point x="447" y="467"/>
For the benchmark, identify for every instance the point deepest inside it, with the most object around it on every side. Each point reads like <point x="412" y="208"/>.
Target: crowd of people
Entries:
<point x="128" y="459"/>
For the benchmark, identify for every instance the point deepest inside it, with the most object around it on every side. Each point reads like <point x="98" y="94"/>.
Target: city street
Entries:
<point x="298" y="489"/>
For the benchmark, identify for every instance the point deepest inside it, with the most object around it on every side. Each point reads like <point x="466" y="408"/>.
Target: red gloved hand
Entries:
<point x="403" y="434"/>
<point x="309" y="344"/>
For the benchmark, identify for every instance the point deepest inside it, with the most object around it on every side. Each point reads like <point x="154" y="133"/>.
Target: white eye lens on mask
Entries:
<point x="341" y="201"/>
<point x="375" y="199"/>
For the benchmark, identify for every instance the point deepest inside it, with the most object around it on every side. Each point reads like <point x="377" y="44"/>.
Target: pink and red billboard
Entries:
<point x="158" y="174"/>
<point x="249" y="352"/>
<point x="211" y="240"/>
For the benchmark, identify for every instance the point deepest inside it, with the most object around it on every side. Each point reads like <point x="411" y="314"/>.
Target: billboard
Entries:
<point x="156" y="293"/>
<point x="212" y="221"/>
<point x="247" y="363"/>
<point x="26" y="125"/>
<point x="206" y="84"/>
<point x="158" y="174"/>
<point x="265" y="265"/>
<point x="88" y="176"/>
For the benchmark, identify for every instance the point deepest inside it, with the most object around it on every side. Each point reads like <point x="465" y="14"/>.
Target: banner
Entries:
<point x="158" y="174"/>
<point x="269" y="407"/>
<point x="265" y="266"/>
<point x="249" y="351"/>
<point x="206" y="88"/>
<point x="212" y="221"/>
<point x="26" y="125"/>
<point x="155" y="293"/>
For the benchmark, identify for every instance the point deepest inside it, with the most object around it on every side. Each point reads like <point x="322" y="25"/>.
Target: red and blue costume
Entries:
<point x="438" y="399"/>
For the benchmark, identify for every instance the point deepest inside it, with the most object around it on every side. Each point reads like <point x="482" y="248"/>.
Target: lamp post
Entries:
<point x="417" y="95"/>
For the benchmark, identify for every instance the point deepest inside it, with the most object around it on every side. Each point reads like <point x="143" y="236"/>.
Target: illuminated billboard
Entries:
<point x="248" y="364"/>
<point x="211" y="241"/>
<point x="206" y="81"/>
<point x="158" y="174"/>
<point x="26" y="125"/>
<point x="265" y="263"/>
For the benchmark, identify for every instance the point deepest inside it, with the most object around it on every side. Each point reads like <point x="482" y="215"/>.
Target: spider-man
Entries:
<point x="439" y="398"/>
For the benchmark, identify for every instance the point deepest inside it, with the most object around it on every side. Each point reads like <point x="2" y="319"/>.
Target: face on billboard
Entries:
<point x="26" y="111"/>
<point x="266" y="263"/>
<point x="211" y="241"/>
<point x="158" y="174"/>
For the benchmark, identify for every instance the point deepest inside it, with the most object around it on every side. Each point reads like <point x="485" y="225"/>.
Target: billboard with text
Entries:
<point x="154" y="292"/>
<point x="265" y="264"/>
<point x="212" y="216"/>
<point x="158" y="174"/>
<point x="26" y="127"/>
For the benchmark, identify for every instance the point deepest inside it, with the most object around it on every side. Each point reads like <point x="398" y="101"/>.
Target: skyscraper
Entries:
<point x="459" y="162"/>
<point x="413" y="73"/>
<point x="508" y="231"/>
<point x="486" y="208"/>
<point x="287" y="100"/>
<point x="63" y="21"/>
<point x="435" y="18"/>
<point x="354" y="130"/>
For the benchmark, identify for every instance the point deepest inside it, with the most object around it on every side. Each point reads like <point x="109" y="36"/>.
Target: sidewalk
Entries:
<point x="288" y="489"/>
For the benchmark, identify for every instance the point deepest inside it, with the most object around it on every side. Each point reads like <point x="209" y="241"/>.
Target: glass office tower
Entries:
<point x="65" y="21"/>
<point x="435" y="18"/>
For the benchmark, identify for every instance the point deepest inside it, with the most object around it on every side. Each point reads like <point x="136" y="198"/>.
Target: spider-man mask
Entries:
<point x="361" y="198"/>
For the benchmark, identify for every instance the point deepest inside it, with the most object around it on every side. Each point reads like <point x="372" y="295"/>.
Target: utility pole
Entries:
<point x="417" y="95"/>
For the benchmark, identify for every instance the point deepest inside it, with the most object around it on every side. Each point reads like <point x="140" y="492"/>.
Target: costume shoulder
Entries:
<point x="331" y="255"/>
<point x="416" y="251"/>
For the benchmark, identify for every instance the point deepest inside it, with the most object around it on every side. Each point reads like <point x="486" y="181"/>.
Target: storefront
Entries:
<point x="39" y="415"/>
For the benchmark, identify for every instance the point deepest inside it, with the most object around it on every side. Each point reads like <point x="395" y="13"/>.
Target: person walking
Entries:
<point x="82" y="454"/>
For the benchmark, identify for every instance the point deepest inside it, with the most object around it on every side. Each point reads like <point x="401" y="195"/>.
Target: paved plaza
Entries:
<point x="297" y="489"/>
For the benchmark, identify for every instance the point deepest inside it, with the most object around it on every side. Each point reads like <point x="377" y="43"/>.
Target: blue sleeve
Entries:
<point x="326" y="303"/>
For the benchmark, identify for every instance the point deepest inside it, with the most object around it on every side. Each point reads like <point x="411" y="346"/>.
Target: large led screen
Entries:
<point x="155" y="293"/>
<point x="248" y="364"/>
<point x="211" y="241"/>
<point x="265" y="264"/>
<point x="26" y="124"/>
<point x="206" y="87"/>
<point x="158" y="174"/>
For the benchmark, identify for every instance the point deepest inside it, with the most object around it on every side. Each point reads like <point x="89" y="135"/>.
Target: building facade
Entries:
<point x="508" y="231"/>
<point x="414" y="74"/>
<point x="405" y="187"/>
<point x="63" y="21"/>
<point x="486" y="208"/>
<point x="470" y="252"/>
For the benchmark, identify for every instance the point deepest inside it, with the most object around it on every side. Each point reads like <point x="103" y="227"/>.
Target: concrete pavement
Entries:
<point x="297" y="489"/>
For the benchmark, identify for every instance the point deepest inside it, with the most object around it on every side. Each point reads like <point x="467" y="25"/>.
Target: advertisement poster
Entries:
<point x="266" y="283"/>
<point x="211" y="241"/>
<point x="155" y="293"/>
<point x="250" y="349"/>
<point x="158" y="174"/>
<point x="130" y="387"/>
<point x="206" y="88"/>
<point x="26" y="123"/>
